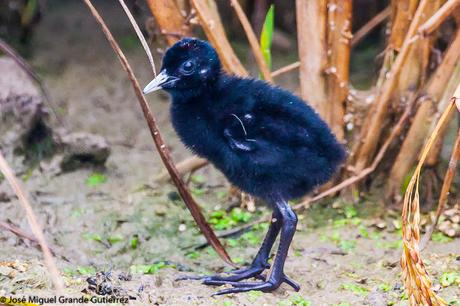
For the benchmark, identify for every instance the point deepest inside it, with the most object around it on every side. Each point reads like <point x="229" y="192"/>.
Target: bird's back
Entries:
<point x="293" y="148"/>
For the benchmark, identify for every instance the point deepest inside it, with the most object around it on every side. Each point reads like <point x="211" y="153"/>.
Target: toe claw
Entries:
<point x="291" y="283"/>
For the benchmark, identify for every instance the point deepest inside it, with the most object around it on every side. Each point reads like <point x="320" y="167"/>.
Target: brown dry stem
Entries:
<point x="160" y="144"/>
<point x="33" y="223"/>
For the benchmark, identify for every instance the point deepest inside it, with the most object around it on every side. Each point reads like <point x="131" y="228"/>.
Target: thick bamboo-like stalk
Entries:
<point x="423" y="118"/>
<point x="338" y="48"/>
<point x="214" y="30"/>
<point x="435" y="21"/>
<point x="311" y="18"/>
<point x="372" y="127"/>
<point x="415" y="277"/>
<point x="160" y="144"/>
<point x="169" y="19"/>
<point x="412" y="75"/>
<point x="253" y="42"/>
<point x="34" y="225"/>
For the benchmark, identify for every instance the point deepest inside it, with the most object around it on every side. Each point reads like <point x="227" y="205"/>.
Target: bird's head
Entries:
<point x="189" y="66"/>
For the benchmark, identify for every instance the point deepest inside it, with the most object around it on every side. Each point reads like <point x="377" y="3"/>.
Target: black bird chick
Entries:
<point x="265" y="140"/>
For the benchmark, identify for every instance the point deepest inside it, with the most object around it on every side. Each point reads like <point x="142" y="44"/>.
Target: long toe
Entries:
<point x="218" y="280"/>
<point x="247" y="286"/>
<point x="261" y="286"/>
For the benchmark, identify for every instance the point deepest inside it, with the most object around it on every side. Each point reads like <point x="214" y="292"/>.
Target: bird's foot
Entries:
<point x="235" y="276"/>
<point x="265" y="286"/>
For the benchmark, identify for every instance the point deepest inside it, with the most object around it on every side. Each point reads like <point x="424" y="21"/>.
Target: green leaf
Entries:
<point x="449" y="278"/>
<point x="356" y="289"/>
<point x="96" y="179"/>
<point x="92" y="236"/>
<point x="266" y="36"/>
<point x="134" y="242"/>
<point x="86" y="270"/>
<point x="115" y="238"/>
<point x="440" y="237"/>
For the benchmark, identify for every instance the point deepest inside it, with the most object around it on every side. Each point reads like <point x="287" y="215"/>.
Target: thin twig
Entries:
<point x="369" y="26"/>
<point x="139" y="35"/>
<point x="285" y="69"/>
<point x="31" y="73"/>
<point x="187" y="165"/>
<point x="435" y="21"/>
<point x="20" y="233"/>
<point x="256" y="50"/>
<point x="33" y="223"/>
<point x="160" y="144"/>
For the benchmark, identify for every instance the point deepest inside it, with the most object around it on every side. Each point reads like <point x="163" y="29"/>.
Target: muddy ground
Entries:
<point x="136" y="230"/>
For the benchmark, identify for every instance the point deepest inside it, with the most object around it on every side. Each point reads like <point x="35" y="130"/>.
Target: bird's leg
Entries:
<point x="277" y="276"/>
<point x="258" y="265"/>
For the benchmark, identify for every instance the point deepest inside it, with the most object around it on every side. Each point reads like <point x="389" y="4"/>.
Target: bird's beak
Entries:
<point x="159" y="81"/>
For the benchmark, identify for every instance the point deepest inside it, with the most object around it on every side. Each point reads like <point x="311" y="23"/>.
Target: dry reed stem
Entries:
<point x="169" y="19"/>
<point x="372" y="127"/>
<point x="160" y="144"/>
<point x="420" y="126"/>
<point x="448" y="177"/>
<point x="435" y="21"/>
<point x="139" y="35"/>
<point x="253" y="42"/>
<point x="370" y="25"/>
<point x="415" y="277"/>
<point x="214" y="30"/>
<point x="311" y="16"/>
<point x="33" y="223"/>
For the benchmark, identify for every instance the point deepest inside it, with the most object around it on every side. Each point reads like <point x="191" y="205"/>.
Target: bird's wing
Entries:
<point x="236" y="133"/>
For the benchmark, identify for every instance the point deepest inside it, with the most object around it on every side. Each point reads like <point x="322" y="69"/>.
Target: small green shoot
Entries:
<point x="134" y="242"/>
<point x="96" y="179"/>
<point x="356" y="289"/>
<point x="115" y="238"/>
<point x="150" y="269"/>
<point x="449" y="278"/>
<point x="440" y="237"/>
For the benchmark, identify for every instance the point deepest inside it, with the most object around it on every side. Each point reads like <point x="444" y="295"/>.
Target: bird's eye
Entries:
<point x="187" y="67"/>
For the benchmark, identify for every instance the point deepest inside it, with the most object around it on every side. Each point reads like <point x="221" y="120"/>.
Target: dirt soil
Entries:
<point x="130" y="236"/>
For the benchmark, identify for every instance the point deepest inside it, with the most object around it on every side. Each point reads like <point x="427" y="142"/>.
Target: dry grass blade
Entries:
<point x="34" y="225"/>
<point x="139" y="35"/>
<point x="370" y="25"/>
<point x="160" y="145"/>
<point x="256" y="50"/>
<point x="435" y="21"/>
<point x="416" y="279"/>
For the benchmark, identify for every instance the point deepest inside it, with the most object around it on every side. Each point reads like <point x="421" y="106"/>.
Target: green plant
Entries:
<point x="266" y="37"/>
